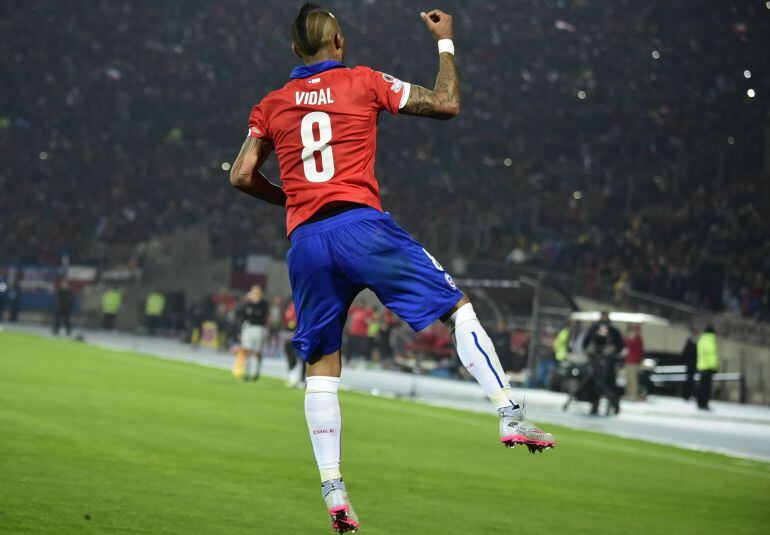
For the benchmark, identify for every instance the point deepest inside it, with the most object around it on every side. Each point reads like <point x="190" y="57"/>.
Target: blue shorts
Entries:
<point x="332" y="260"/>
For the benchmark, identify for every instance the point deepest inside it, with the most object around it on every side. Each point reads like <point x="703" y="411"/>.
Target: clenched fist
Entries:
<point x="439" y="23"/>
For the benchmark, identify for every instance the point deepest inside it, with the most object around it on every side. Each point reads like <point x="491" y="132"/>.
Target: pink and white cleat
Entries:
<point x="341" y="513"/>
<point x="515" y="429"/>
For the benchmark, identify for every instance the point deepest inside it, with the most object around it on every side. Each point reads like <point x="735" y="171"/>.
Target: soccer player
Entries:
<point x="253" y="314"/>
<point x="323" y="126"/>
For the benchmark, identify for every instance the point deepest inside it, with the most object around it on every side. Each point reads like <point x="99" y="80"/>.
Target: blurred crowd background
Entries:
<point x="626" y="143"/>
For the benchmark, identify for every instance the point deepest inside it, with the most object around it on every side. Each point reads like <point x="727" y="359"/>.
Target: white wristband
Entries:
<point x="446" y="45"/>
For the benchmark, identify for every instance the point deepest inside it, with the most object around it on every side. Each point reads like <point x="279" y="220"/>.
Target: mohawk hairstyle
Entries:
<point x="311" y="28"/>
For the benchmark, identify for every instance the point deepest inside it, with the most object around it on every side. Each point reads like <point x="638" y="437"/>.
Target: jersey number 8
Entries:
<point x="311" y="145"/>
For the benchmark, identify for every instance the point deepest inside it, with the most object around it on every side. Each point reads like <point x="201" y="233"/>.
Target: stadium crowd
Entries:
<point x="708" y="250"/>
<point x="614" y="139"/>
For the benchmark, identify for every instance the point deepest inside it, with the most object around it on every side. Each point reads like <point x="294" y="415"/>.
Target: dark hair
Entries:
<point x="310" y="15"/>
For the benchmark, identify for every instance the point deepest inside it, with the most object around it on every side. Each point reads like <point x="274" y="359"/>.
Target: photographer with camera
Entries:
<point x="603" y="344"/>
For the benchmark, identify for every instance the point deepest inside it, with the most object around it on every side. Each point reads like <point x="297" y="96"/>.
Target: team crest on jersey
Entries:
<point x="395" y="83"/>
<point x="450" y="281"/>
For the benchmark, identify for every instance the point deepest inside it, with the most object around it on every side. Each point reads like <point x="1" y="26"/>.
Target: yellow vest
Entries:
<point x="708" y="356"/>
<point x="155" y="304"/>
<point x="373" y="329"/>
<point x="111" y="300"/>
<point x="561" y="344"/>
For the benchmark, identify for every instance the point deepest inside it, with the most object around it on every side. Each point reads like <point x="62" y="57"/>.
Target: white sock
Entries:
<point x="479" y="357"/>
<point x="324" y="423"/>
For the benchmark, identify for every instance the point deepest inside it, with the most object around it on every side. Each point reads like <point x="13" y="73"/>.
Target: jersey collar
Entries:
<point x="303" y="71"/>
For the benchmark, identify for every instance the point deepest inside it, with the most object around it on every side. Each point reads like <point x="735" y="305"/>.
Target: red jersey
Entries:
<point x="360" y="317"/>
<point x="290" y="317"/>
<point x="635" y="348"/>
<point x="323" y="125"/>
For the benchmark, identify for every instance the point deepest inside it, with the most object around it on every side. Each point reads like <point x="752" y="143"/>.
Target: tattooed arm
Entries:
<point x="441" y="103"/>
<point x="444" y="101"/>
<point x="246" y="176"/>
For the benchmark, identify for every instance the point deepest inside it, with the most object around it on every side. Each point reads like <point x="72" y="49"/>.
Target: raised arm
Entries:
<point x="443" y="102"/>
<point x="246" y="176"/>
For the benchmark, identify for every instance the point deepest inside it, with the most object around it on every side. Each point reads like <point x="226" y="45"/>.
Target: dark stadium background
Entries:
<point x="116" y="118"/>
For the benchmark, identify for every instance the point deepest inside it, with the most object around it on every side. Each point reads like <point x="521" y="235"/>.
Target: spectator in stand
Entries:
<point x="708" y="365"/>
<point x="63" y="308"/>
<point x="690" y="360"/>
<point x="632" y="361"/>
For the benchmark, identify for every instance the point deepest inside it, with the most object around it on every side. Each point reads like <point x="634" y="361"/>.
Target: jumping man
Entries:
<point x="323" y="127"/>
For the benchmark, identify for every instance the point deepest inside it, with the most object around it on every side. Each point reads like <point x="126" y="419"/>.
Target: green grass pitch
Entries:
<point x="99" y="441"/>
